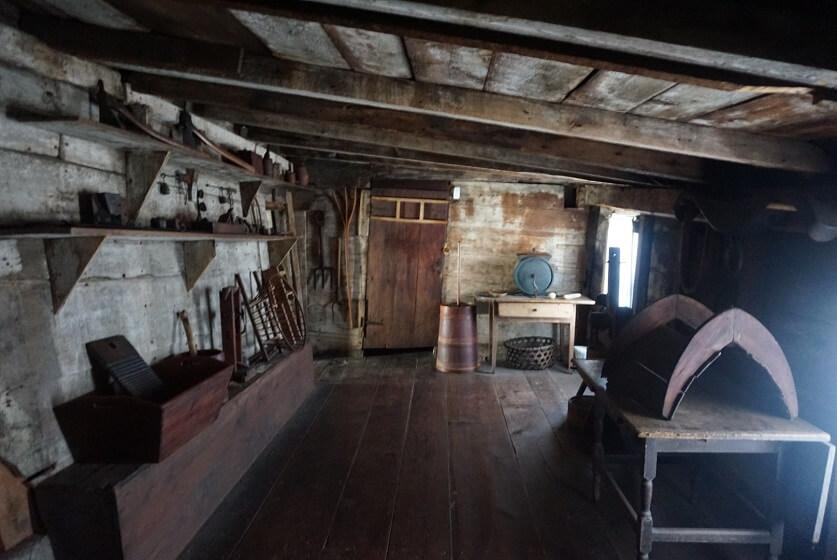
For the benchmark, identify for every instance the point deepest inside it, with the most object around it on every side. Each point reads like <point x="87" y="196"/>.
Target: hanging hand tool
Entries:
<point x="336" y="301"/>
<point x="346" y="209"/>
<point x="190" y="337"/>
<point x="319" y="273"/>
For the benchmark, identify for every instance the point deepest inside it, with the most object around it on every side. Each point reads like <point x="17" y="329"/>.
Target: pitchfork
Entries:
<point x="320" y="273"/>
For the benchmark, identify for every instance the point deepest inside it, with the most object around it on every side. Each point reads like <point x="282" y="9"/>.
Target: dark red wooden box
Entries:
<point x="110" y="428"/>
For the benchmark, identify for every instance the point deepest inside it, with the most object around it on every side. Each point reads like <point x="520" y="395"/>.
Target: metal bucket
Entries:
<point x="457" y="347"/>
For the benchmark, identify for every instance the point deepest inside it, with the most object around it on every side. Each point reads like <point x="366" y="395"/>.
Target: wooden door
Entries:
<point x="404" y="284"/>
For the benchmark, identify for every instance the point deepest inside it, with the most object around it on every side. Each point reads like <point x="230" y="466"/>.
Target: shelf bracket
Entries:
<point x="196" y="258"/>
<point x="67" y="259"/>
<point x="278" y="249"/>
<point x="142" y="173"/>
<point x="248" y="191"/>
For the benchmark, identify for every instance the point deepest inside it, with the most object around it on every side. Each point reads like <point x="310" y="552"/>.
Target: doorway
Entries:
<point x="621" y="233"/>
<point x="407" y="229"/>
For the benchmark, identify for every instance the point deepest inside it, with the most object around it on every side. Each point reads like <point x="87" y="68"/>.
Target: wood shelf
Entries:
<point x="63" y="231"/>
<point x="179" y="156"/>
<point x="70" y="250"/>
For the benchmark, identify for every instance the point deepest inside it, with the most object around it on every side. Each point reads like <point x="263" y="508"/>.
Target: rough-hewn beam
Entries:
<point x="300" y="146"/>
<point x="577" y="154"/>
<point x="212" y="63"/>
<point x="374" y="156"/>
<point x="418" y="142"/>
<point x="337" y="172"/>
<point x="719" y="46"/>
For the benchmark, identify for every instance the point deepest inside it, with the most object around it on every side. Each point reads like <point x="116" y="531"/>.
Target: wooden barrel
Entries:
<point x="457" y="347"/>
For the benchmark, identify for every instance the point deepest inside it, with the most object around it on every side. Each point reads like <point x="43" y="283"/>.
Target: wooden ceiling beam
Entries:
<point x="326" y="172"/>
<point x="217" y="64"/>
<point x="576" y="155"/>
<point x="416" y="142"/>
<point x="737" y="44"/>
<point x="295" y="146"/>
<point x="304" y="152"/>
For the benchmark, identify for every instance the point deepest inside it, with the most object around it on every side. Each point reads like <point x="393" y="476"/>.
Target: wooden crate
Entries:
<point x="108" y="428"/>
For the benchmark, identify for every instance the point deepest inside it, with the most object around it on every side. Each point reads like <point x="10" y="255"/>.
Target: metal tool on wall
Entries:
<point x="320" y="274"/>
<point x="346" y="208"/>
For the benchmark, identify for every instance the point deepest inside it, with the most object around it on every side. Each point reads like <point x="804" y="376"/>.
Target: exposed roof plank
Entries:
<point x="453" y="65"/>
<point x="722" y="48"/>
<point x="302" y="41"/>
<point x="617" y="91"/>
<point x="213" y="63"/>
<point x="535" y="78"/>
<point x="770" y="113"/>
<point x="370" y="51"/>
<point x="685" y="101"/>
<point x="95" y="12"/>
<point x="202" y="21"/>
<point x="822" y="128"/>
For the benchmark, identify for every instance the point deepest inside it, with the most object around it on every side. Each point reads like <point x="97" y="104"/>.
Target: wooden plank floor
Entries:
<point x="390" y="460"/>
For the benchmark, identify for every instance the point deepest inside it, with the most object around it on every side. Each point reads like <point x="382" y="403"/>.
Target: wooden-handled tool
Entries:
<point x="190" y="336"/>
<point x="346" y="208"/>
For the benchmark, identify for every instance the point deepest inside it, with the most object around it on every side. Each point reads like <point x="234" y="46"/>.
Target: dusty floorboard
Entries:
<point x="390" y="460"/>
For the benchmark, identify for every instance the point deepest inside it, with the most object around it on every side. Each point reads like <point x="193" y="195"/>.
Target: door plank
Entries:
<point x="429" y="285"/>
<point x="404" y="296"/>
<point x="379" y="284"/>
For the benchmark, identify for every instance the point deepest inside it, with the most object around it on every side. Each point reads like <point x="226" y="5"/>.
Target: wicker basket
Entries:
<point x="530" y="352"/>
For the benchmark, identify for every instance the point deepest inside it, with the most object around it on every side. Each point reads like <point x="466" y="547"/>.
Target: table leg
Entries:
<point x="571" y="342"/>
<point x="556" y="335"/>
<point x="492" y="328"/>
<point x="777" y="527"/>
<point x="645" y="522"/>
<point x="598" y="448"/>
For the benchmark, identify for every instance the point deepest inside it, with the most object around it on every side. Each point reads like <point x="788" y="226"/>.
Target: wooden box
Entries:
<point x="110" y="428"/>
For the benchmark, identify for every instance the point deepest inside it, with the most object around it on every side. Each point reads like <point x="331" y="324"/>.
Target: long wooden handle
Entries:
<point x="190" y="336"/>
<point x="458" y="272"/>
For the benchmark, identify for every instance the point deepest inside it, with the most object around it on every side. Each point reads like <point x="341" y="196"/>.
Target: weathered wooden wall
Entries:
<point x="130" y="288"/>
<point x="663" y="273"/>
<point x="496" y="221"/>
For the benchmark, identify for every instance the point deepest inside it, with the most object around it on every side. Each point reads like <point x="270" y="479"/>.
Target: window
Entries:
<point x="621" y="234"/>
